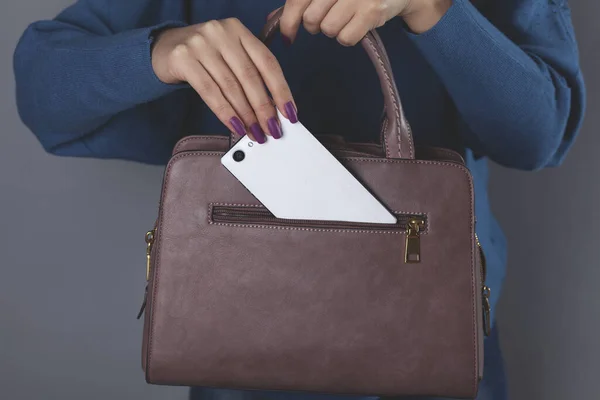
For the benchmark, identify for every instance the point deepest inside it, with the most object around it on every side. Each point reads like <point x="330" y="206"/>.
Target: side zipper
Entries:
<point x="485" y="291"/>
<point x="149" y="238"/>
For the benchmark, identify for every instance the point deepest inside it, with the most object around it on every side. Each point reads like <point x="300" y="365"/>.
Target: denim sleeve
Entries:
<point x="85" y="78"/>
<point x="512" y="69"/>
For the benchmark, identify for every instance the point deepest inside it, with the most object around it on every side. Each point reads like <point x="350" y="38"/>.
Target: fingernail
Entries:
<point x="258" y="133"/>
<point x="274" y="128"/>
<point x="287" y="42"/>
<point x="290" y="110"/>
<point x="238" y="126"/>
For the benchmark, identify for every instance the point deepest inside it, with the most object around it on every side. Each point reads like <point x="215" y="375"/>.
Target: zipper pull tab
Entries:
<point x="149" y="241"/>
<point x="487" y="324"/>
<point x="412" y="255"/>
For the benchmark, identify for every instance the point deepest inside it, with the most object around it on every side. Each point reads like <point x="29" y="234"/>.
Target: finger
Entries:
<point x="232" y="90"/>
<point x="336" y="19"/>
<point x="272" y="76"/>
<point x="315" y="13"/>
<point x="354" y="31"/>
<point x="292" y="17"/>
<point x="211" y="94"/>
<point x="252" y="82"/>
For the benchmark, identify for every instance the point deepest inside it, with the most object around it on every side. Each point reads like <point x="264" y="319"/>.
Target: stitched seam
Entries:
<point x="449" y="155"/>
<point x="264" y="208"/>
<point x="404" y="161"/>
<point x="350" y="153"/>
<point x="396" y="106"/>
<point x="198" y="153"/>
<point x="298" y="228"/>
<point x="204" y="138"/>
<point x="384" y="136"/>
<point x="398" y="118"/>
<point x="358" y="159"/>
<point x="374" y="49"/>
<point x="410" y="135"/>
<point x="192" y="138"/>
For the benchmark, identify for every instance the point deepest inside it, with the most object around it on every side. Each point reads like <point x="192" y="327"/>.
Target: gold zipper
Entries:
<point x="412" y="253"/>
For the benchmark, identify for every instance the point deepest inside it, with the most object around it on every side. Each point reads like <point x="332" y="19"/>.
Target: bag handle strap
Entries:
<point x="396" y="135"/>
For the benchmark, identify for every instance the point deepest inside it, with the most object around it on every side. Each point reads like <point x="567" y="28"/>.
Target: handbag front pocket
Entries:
<point x="412" y="225"/>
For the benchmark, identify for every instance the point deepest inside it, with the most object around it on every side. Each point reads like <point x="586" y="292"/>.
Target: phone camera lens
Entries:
<point x="239" y="156"/>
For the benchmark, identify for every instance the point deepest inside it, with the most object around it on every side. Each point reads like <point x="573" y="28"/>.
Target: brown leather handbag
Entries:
<point x="237" y="298"/>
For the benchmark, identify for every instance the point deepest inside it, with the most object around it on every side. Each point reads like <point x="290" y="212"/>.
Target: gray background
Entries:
<point x="72" y="275"/>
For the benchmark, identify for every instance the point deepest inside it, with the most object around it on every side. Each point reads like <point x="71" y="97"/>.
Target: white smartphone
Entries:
<point x="296" y="177"/>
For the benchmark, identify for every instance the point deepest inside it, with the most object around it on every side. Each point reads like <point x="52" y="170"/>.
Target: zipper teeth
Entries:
<point x="263" y="216"/>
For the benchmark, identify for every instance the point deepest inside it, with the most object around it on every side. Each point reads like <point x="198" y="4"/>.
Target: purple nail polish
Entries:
<point x="274" y="128"/>
<point x="258" y="133"/>
<point x="287" y="42"/>
<point x="290" y="110"/>
<point x="238" y="126"/>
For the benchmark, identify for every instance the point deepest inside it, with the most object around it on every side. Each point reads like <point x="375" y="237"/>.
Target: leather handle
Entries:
<point x="396" y="136"/>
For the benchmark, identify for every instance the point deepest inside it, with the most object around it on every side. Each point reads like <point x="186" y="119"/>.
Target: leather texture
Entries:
<point x="285" y="306"/>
